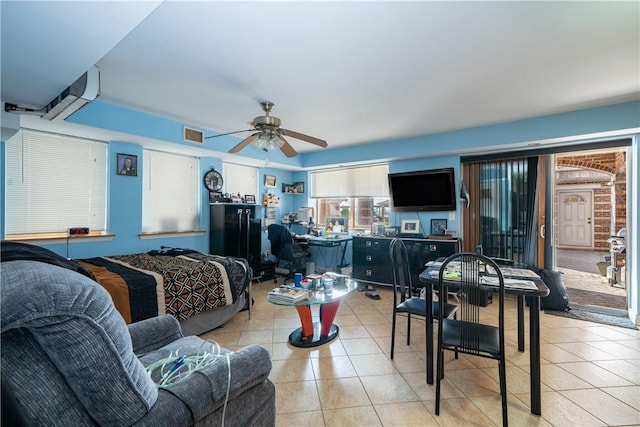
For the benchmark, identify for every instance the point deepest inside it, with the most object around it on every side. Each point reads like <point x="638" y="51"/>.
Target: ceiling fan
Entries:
<point x="270" y="136"/>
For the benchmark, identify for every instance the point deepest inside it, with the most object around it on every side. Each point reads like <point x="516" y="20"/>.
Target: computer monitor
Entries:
<point x="304" y="214"/>
<point x="337" y="224"/>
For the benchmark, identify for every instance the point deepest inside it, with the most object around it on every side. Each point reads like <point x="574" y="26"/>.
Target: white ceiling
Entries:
<point x="347" y="72"/>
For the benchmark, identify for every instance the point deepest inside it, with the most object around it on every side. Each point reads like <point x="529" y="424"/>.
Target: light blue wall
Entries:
<point x="425" y="152"/>
<point x="124" y="213"/>
<point x="103" y="115"/>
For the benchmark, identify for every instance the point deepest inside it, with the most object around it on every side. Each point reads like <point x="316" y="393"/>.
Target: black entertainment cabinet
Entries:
<point x="371" y="261"/>
<point x="236" y="230"/>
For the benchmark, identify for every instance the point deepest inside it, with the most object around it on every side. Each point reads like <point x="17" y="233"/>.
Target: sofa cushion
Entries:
<point x="80" y="348"/>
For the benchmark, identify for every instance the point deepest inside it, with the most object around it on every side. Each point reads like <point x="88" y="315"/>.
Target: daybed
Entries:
<point x="201" y="291"/>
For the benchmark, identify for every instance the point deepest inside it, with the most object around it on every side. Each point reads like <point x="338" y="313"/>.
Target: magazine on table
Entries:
<point x="509" y="283"/>
<point x="519" y="272"/>
<point x="288" y="294"/>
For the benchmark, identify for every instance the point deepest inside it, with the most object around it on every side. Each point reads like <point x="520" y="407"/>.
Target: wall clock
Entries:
<point x="213" y="180"/>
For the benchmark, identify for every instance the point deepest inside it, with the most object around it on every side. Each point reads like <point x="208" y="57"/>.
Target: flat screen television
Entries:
<point x="427" y="190"/>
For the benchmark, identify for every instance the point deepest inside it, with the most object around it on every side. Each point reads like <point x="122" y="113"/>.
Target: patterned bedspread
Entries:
<point x="179" y="282"/>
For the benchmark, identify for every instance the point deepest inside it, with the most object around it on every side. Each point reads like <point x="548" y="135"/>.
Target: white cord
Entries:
<point x="177" y="367"/>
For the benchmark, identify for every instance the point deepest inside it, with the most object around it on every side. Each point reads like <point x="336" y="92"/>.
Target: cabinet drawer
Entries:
<point x="370" y="258"/>
<point x="370" y="243"/>
<point x="371" y="274"/>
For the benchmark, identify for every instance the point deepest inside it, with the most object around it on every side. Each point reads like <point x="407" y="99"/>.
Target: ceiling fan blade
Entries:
<point x="245" y="142"/>
<point x="286" y="148"/>
<point x="229" y="133"/>
<point x="303" y="137"/>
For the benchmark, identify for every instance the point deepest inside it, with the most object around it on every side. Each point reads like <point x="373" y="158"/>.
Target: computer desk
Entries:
<point x="325" y="243"/>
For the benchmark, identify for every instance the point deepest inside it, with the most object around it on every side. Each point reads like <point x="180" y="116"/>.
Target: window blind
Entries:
<point x="240" y="179"/>
<point x="366" y="181"/>
<point x="54" y="182"/>
<point x="170" y="192"/>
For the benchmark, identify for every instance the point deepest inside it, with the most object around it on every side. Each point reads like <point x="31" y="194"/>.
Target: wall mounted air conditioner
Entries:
<point x="81" y="92"/>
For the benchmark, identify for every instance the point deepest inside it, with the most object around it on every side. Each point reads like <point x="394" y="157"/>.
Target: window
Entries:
<point x="240" y="179"/>
<point x="360" y="194"/>
<point x="361" y="211"/>
<point x="170" y="194"/>
<point x="54" y="182"/>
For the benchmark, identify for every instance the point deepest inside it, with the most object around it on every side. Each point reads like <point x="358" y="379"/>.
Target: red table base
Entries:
<point x="312" y="334"/>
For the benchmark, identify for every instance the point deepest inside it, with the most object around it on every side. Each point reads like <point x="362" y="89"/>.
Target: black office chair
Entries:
<point x="472" y="333"/>
<point x="285" y="248"/>
<point x="406" y="296"/>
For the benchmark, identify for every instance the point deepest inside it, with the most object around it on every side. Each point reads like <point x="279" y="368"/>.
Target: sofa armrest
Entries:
<point x="151" y="334"/>
<point x="205" y="390"/>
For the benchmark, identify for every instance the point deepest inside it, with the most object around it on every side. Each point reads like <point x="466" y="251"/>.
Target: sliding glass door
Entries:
<point x="503" y="215"/>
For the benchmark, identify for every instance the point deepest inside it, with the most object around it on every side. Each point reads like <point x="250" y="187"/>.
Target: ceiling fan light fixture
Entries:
<point x="269" y="136"/>
<point x="269" y="141"/>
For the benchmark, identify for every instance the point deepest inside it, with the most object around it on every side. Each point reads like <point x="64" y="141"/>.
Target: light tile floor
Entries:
<point x="590" y="372"/>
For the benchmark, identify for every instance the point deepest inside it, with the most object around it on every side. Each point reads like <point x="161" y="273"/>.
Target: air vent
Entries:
<point x="81" y="92"/>
<point x="193" y="135"/>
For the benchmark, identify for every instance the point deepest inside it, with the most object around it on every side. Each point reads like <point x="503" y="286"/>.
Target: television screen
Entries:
<point x="336" y="224"/>
<point x="428" y="190"/>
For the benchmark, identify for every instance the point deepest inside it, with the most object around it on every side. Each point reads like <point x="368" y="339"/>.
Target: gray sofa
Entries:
<point x="69" y="359"/>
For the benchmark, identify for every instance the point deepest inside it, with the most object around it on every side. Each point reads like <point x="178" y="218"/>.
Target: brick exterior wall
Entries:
<point x="614" y="163"/>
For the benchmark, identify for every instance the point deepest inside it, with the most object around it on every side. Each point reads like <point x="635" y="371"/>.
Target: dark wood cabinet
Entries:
<point x="236" y="230"/>
<point x="371" y="262"/>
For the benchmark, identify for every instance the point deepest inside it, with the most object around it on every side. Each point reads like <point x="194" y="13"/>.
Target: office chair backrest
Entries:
<point x="466" y="270"/>
<point x="282" y="244"/>
<point x="401" y="272"/>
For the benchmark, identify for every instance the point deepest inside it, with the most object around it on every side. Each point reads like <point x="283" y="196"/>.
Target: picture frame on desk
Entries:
<point x="392" y="231"/>
<point x="410" y="226"/>
<point x="250" y="199"/>
<point x="438" y="226"/>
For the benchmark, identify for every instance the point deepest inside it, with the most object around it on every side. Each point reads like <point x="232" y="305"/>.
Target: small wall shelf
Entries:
<point x="295" y="188"/>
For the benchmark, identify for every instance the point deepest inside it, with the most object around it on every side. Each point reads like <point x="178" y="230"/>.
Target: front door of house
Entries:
<point x="575" y="218"/>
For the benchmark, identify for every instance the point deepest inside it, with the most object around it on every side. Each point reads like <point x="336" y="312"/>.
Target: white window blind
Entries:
<point x="366" y="181"/>
<point x="54" y="182"/>
<point x="170" y="192"/>
<point x="240" y="179"/>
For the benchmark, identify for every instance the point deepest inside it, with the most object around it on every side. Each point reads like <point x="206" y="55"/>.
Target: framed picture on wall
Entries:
<point x="438" y="226"/>
<point x="270" y="181"/>
<point x="127" y="164"/>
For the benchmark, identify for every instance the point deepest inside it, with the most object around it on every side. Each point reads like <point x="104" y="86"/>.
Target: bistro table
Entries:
<point x="312" y="334"/>
<point x="534" y="295"/>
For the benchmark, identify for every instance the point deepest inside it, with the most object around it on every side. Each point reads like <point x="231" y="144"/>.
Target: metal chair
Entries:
<point x="406" y="296"/>
<point x="471" y="333"/>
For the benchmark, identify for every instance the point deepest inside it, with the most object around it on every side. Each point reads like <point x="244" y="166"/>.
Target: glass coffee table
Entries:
<point x="312" y="334"/>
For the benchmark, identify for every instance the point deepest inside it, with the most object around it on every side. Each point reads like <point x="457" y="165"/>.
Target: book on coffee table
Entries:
<point x="288" y="294"/>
